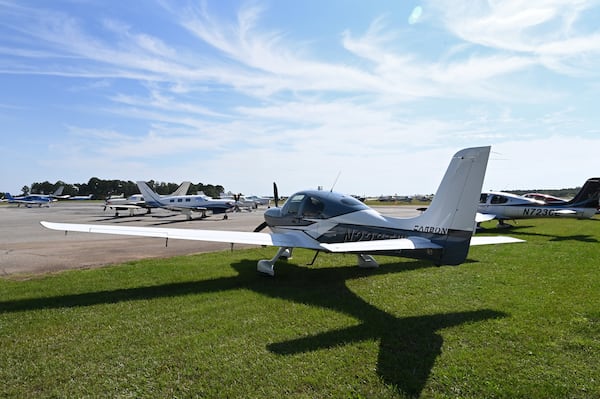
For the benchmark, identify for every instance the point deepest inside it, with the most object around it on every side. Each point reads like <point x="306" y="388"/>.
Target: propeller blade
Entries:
<point x="260" y="227"/>
<point x="275" y="195"/>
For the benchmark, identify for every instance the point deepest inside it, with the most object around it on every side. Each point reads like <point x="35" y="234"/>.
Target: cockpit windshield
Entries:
<point x="321" y="204"/>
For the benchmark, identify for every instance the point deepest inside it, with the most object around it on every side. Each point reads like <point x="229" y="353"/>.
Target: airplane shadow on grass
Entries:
<point x="408" y="346"/>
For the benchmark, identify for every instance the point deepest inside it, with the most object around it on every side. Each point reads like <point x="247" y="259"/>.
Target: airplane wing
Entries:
<point x="291" y="239"/>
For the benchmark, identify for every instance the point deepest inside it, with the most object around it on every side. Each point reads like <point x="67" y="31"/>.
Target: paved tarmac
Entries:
<point x="28" y="248"/>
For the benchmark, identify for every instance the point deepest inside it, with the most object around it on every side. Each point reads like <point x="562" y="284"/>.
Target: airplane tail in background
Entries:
<point x="150" y="197"/>
<point x="451" y="216"/>
<point x="8" y="196"/>
<point x="182" y="189"/>
<point x="588" y="196"/>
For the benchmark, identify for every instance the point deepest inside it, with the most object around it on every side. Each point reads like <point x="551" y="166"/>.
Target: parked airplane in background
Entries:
<point x="82" y="197"/>
<point x="258" y="200"/>
<point x="131" y="204"/>
<point x="187" y="204"/>
<point x="58" y="194"/>
<point x="36" y="199"/>
<point x="506" y="206"/>
<point x="331" y="222"/>
<point x="29" y="200"/>
<point x="136" y="201"/>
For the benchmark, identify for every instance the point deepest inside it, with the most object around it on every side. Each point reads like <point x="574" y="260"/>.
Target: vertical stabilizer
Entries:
<point x="150" y="197"/>
<point x="452" y="211"/>
<point x="455" y="202"/>
<point x="588" y="196"/>
<point x="182" y="189"/>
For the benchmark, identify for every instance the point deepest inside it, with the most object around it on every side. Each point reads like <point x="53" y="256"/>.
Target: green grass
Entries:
<point x="515" y="321"/>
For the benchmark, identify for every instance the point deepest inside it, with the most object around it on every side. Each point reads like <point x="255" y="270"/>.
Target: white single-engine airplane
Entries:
<point x="333" y="222"/>
<point x="507" y="206"/>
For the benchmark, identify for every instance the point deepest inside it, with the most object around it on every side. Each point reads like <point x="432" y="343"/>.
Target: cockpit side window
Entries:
<point x="313" y="207"/>
<point x="499" y="199"/>
<point x="292" y="205"/>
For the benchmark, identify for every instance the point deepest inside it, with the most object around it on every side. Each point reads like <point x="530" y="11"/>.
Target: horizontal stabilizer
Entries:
<point x="382" y="245"/>
<point x="564" y="212"/>
<point x="494" y="240"/>
<point x="483" y="217"/>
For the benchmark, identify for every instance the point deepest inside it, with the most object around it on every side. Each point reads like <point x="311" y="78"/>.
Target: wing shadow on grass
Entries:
<point x="408" y="346"/>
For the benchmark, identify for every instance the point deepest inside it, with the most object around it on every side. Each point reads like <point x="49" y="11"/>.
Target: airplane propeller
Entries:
<point x="261" y="226"/>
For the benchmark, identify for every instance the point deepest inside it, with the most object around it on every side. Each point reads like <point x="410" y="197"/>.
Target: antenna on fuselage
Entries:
<point x="335" y="181"/>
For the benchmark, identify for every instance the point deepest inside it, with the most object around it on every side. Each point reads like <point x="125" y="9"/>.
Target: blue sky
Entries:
<point x="243" y="93"/>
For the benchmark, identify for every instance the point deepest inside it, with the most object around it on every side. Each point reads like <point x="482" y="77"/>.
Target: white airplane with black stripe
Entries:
<point x="335" y="223"/>
<point x="506" y="206"/>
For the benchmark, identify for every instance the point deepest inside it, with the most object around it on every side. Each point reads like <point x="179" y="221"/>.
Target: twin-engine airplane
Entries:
<point x="186" y="204"/>
<point x="332" y="222"/>
<point x="136" y="201"/>
<point x="506" y="206"/>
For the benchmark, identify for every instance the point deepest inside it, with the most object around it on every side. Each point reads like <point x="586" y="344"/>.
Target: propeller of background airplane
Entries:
<point x="276" y="199"/>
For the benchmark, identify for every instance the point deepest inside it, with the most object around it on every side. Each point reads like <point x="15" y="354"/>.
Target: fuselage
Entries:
<point x="333" y="218"/>
<point x="193" y="202"/>
<point x="510" y="206"/>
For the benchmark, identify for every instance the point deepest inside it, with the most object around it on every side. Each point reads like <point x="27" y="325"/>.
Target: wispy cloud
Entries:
<point x="226" y="88"/>
<point x="541" y="29"/>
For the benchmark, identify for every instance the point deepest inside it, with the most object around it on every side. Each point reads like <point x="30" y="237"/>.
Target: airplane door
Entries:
<point x="290" y="213"/>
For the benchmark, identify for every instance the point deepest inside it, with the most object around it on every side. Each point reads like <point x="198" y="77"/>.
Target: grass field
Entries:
<point x="515" y="321"/>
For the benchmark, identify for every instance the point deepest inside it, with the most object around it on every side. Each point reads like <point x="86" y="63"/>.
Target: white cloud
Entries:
<point x="540" y="28"/>
<point x="236" y="93"/>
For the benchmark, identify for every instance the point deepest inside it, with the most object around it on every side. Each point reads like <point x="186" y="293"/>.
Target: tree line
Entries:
<point x="102" y="189"/>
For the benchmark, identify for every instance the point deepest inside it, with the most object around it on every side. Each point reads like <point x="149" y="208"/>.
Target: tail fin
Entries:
<point x="8" y="196"/>
<point x="452" y="211"/>
<point x="150" y="197"/>
<point x="588" y="196"/>
<point x="182" y="189"/>
<point x="59" y="190"/>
